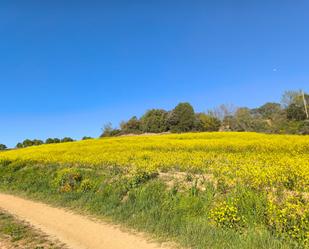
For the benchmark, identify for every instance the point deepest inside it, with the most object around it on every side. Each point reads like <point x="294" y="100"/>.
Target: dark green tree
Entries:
<point x="19" y="145"/>
<point x="52" y="140"/>
<point x="155" y="121"/>
<point x="27" y="143"/>
<point x="295" y="112"/>
<point x="37" y="142"/>
<point x="133" y="125"/>
<point x="86" y="138"/>
<point x="67" y="139"/>
<point x="57" y="140"/>
<point x="3" y="147"/>
<point x="205" y="122"/>
<point x="49" y="141"/>
<point x="182" y="118"/>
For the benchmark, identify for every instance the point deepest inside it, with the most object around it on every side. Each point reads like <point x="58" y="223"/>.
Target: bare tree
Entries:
<point x="223" y="111"/>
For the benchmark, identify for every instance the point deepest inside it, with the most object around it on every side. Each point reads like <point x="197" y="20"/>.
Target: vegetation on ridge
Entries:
<point x="288" y="117"/>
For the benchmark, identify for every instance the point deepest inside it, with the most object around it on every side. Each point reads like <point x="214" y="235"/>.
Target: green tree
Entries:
<point x="57" y="140"/>
<point x="270" y="110"/>
<point x="293" y="102"/>
<point x="154" y="120"/>
<point x="49" y="141"/>
<point x="86" y="138"/>
<point x="268" y="117"/>
<point x="243" y="120"/>
<point x="37" y="142"/>
<point x="206" y="122"/>
<point x="295" y="112"/>
<point x="133" y="125"/>
<point x="115" y="132"/>
<point x="67" y="139"/>
<point x="304" y="127"/>
<point x="27" y="143"/>
<point x="19" y="145"/>
<point x="3" y="147"/>
<point x="182" y="118"/>
<point x="52" y="140"/>
<point x="109" y="131"/>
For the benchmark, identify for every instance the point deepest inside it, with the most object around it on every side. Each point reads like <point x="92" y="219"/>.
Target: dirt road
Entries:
<point x="76" y="231"/>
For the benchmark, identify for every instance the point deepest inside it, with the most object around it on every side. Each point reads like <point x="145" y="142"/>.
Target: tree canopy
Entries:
<point x="182" y="118"/>
<point x="3" y="147"/>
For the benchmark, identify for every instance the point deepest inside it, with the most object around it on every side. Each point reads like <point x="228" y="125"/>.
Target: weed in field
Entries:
<point x="68" y="179"/>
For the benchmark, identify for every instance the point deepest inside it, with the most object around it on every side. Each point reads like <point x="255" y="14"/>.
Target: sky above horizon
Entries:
<point x="69" y="67"/>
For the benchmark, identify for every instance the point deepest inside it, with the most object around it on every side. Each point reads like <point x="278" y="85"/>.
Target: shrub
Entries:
<point x="290" y="219"/>
<point x="226" y="215"/>
<point x="5" y="162"/>
<point x="67" y="180"/>
<point x="140" y="177"/>
<point x="86" y="186"/>
<point x="16" y="165"/>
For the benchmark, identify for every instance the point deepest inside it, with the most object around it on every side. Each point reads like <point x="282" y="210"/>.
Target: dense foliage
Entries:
<point x="182" y="118"/>
<point x="29" y="142"/>
<point x="154" y="121"/>
<point x="3" y="147"/>
<point x="287" y="117"/>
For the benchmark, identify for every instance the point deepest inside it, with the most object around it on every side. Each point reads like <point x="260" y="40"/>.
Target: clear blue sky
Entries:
<point x="68" y="67"/>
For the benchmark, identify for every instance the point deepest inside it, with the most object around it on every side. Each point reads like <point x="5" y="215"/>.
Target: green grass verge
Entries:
<point x="145" y="202"/>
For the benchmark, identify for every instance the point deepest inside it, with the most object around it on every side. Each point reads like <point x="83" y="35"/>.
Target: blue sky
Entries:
<point x="68" y="67"/>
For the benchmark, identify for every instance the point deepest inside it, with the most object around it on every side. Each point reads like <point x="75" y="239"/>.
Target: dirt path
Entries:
<point x="76" y="231"/>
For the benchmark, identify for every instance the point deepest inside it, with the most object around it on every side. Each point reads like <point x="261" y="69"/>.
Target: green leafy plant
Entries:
<point x="290" y="219"/>
<point x="86" y="186"/>
<point x="67" y="180"/>
<point x="140" y="176"/>
<point x="226" y="215"/>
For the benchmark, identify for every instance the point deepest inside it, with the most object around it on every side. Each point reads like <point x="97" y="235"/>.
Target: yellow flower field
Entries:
<point x="258" y="160"/>
<point x="275" y="167"/>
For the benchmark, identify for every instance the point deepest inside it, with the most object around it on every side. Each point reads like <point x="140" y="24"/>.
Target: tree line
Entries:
<point x="29" y="142"/>
<point x="288" y="117"/>
<point x="33" y="142"/>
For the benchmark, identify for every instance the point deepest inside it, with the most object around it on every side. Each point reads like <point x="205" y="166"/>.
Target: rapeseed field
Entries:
<point x="255" y="178"/>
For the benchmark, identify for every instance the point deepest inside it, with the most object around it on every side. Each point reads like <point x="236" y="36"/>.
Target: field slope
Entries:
<point x="204" y="190"/>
